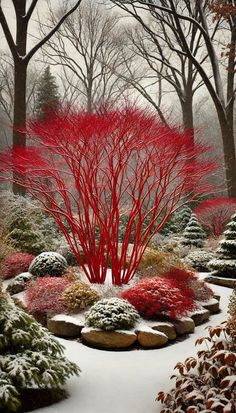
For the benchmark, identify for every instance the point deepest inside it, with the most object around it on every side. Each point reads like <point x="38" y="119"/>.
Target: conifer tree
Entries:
<point x="30" y="357"/>
<point x="47" y="94"/>
<point x="224" y="265"/>
<point x="193" y="234"/>
<point x="182" y="217"/>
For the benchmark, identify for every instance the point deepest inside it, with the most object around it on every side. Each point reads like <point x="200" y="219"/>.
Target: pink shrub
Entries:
<point x="215" y="213"/>
<point x="44" y="295"/>
<point x="159" y="297"/>
<point x="15" y="264"/>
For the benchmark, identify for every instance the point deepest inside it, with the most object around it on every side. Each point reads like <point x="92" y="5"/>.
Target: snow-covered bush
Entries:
<point x="182" y="217"/>
<point x="18" y="283"/>
<point x="193" y="234"/>
<point x="199" y="259"/>
<point x="224" y="265"/>
<point x="232" y="304"/>
<point x="30" y="357"/>
<point x="159" y="297"/>
<point x="43" y="295"/>
<point x="182" y="278"/>
<point x="112" y="314"/>
<point x="155" y="262"/>
<point x="205" y="383"/>
<point x="48" y="263"/>
<point x="78" y="296"/>
<point x="15" y="264"/>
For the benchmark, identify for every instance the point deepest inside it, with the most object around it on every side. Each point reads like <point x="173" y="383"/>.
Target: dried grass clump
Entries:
<point x="155" y="262"/>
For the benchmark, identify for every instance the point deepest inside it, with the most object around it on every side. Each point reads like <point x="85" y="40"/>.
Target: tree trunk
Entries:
<point x="19" y="118"/>
<point x="187" y="114"/>
<point x="229" y="154"/>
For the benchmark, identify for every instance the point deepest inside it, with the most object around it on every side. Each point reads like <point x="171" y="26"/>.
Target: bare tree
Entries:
<point x="21" y="57"/>
<point x="7" y="87"/>
<point x="210" y="72"/>
<point x="88" y="46"/>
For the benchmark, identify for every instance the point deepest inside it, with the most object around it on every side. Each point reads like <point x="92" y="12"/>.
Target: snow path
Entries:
<point x="128" y="381"/>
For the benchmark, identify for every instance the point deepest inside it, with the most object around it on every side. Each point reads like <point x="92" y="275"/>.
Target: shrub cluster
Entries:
<point x="155" y="262"/>
<point x="44" y="295"/>
<point x="159" y="297"/>
<point x="199" y="259"/>
<point x="112" y="314"/>
<point x="15" y="264"/>
<point x="48" y="263"/>
<point x="78" y="296"/>
<point x="205" y="383"/>
<point x="188" y="280"/>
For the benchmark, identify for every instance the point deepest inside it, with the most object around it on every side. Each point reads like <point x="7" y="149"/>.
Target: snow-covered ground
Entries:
<point x="128" y="381"/>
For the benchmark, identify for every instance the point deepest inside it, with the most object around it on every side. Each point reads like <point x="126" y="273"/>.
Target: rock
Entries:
<point x="217" y="297"/>
<point x="184" y="326"/>
<point x="18" y="284"/>
<point x="224" y="282"/>
<point x="212" y="305"/>
<point x="200" y="316"/>
<point x="147" y="337"/>
<point x="164" y="327"/>
<point x="64" y="326"/>
<point x="108" y="339"/>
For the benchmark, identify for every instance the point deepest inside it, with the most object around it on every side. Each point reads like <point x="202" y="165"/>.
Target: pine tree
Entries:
<point x="30" y="357"/>
<point x="224" y="264"/>
<point x="47" y="94"/>
<point x="182" y="217"/>
<point x="193" y="234"/>
<point x="23" y="232"/>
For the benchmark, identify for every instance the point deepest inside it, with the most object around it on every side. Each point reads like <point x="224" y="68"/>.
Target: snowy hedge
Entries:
<point x="48" y="263"/>
<point x="112" y="314"/>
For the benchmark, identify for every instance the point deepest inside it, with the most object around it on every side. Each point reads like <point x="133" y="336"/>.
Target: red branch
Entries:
<point x="88" y="170"/>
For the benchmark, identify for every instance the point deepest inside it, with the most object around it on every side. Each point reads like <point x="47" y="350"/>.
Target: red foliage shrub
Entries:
<point x="205" y="383"/>
<point x="44" y="295"/>
<point x="215" y="213"/>
<point x="159" y="297"/>
<point x="16" y="263"/>
<point x="189" y="283"/>
<point x="97" y="163"/>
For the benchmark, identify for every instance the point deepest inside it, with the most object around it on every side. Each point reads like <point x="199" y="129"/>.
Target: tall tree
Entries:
<point x="88" y="47"/>
<point x="21" y="57"/>
<point x="211" y="73"/>
<point x="47" y="98"/>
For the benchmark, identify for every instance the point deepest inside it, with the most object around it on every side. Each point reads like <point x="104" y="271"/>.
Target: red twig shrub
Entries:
<point x="205" y="383"/>
<point x="44" y="295"/>
<point x="88" y="170"/>
<point x="16" y="263"/>
<point x="215" y="213"/>
<point x="159" y="297"/>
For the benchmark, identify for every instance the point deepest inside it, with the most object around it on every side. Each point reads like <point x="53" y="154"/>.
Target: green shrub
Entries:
<point x="112" y="314"/>
<point x="48" y="263"/>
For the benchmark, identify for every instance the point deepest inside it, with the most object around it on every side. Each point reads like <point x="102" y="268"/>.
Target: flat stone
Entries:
<point x="217" y="297"/>
<point x="212" y="305"/>
<point x="150" y="338"/>
<point x="108" y="339"/>
<point x="184" y="326"/>
<point x="164" y="327"/>
<point x="65" y="326"/>
<point x="200" y="316"/>
<point x="224" y="282"/>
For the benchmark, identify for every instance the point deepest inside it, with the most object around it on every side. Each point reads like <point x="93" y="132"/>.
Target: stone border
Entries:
<point x="223" y="282"/>
<point x="146" y="334"/>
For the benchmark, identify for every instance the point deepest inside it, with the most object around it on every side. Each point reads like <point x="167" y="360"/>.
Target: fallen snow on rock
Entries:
<point x="77" y="319"/>
<point x="127" y="381"/>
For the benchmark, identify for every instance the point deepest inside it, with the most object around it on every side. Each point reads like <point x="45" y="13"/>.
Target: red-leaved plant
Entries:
<point x="215" y="213"/>
<point x="43" y="295"/>
<point x="206" y="383"/>
<point x="160" y="298"/>
<point x="15" y="264"/>
<point x="189" y="283"/>
<point x="89" y="170"/>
